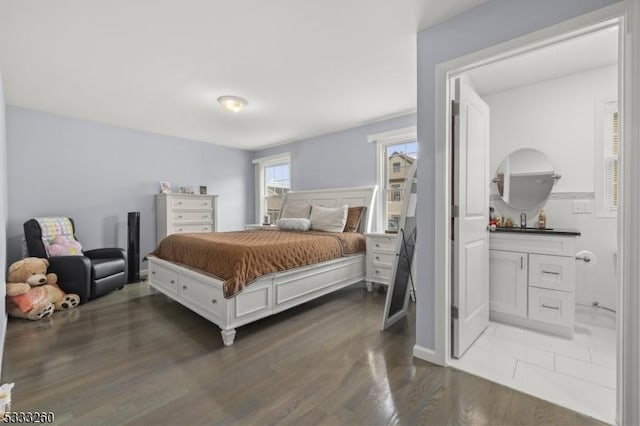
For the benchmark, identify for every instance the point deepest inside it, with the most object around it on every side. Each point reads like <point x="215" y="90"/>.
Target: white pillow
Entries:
<point x="296" y="210"/>
<point x="294" y="224"/>
<point x="329" y="219"/>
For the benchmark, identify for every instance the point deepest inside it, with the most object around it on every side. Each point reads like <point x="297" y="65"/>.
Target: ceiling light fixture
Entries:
<point x="232" y="103"/>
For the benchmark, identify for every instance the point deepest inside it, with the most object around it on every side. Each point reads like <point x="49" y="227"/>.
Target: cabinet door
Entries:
<point x="508" y="282"/>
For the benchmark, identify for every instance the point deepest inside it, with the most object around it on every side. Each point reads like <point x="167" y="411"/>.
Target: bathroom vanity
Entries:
<point x="532" y="278"/>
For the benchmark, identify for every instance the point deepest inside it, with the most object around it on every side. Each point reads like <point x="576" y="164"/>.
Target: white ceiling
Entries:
<point x="307" y="67"/>
<point x="590" y="51"/>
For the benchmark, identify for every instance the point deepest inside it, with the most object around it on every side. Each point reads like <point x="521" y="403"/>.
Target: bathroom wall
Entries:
<point x="558" y="118"/>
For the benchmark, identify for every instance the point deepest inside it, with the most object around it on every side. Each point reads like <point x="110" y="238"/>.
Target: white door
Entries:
<point x="470" y="293"/>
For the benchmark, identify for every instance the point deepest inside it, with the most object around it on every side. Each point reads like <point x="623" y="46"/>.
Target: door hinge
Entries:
<point x="455" y="211"/>
<point x="455" y="108"/>
<point x="454" y="312"/>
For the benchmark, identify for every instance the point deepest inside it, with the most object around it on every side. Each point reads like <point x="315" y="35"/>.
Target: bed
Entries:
<point x="204" y="292"/>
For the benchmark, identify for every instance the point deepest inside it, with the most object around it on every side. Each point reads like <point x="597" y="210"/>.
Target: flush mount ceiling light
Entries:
<point x="232" y="103"/>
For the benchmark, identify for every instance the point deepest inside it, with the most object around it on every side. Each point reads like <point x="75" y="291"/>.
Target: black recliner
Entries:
<point x="95" y="274"/>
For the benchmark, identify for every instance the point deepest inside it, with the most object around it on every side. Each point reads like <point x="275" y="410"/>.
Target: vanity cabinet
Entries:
<point x="532" y="280"/>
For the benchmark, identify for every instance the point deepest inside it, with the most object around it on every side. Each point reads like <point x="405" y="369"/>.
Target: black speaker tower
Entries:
<point x="133" y="247"/>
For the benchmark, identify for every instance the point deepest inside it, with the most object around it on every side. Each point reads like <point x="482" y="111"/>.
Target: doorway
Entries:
<point x="551" y="329"/>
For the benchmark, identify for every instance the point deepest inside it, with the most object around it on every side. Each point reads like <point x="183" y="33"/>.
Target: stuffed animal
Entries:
<point x="34" y="294"/>
<point x="63" y="245"/>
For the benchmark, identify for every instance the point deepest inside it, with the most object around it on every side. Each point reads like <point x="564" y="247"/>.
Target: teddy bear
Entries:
<point x="34" y="294"/>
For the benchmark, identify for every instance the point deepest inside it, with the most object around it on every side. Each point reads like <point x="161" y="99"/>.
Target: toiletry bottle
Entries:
<point x="542" y="219"/>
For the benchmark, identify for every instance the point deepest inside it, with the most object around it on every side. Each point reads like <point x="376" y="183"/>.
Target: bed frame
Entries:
<point x="273" y="293"/>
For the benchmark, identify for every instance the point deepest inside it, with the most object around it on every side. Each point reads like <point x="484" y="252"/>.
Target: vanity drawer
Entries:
<point x="201" y="294"/>
<point x="551" y="306"/>
<point x="163" y="278"/>
<point x="191" y="217"/>
<point x="552" y="272"/>
<point x="191" y="203"/>
<point x="180" y="229"/>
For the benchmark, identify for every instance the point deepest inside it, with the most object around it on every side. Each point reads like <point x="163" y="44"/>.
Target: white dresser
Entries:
<point x="380" y="257"/>
<point x="532" y="281"/>
<point x="178" y="213"/>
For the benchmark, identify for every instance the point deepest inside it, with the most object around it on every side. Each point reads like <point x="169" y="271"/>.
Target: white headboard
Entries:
<point x="352" y="197"/>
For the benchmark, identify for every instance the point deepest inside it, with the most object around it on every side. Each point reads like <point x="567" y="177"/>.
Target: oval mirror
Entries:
<point x="525" y="179"/>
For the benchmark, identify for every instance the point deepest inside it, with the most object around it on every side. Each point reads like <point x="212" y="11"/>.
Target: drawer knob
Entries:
<point x="204" y="204"/>
<point x="214" y="301"/>
<point x="180" y="203"/>
<point x="377" y="272"/>
<point x="551" y="272"/>
<point x="180" y="229"/>
<point x="184" y="287"/>
<point x="205" y="216"/>
<point x="377" y="257"/>
<point x="377" y="245"/>
<point x="153" y="272"/>
<point x="555" y="308"/>
<point x="173" y="282"/>
<point x="180" y="217"/>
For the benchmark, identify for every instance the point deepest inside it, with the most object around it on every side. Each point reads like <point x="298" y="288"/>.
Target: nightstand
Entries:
<point x="253" y="226"/>
<point x="380" y="257"/>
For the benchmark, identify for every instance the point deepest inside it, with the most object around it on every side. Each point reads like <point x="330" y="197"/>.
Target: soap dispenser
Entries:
<point x="542" y="219"/>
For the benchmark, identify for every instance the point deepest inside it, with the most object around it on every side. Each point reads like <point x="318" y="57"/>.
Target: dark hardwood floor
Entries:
<point x="136" y="357"/>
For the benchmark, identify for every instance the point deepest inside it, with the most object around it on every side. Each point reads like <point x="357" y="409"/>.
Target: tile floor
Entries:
<point x="579" y="374"/>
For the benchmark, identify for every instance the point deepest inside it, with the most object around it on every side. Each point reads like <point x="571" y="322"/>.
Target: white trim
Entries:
<point x="628" y="324"/>
<point x="382" y="140"/>
<point x="260" y="164"/>
<point x="394" y="136"/>
<point x="273" y="159"/>
<point x="426" y="354"/>
<point x="628" y="226"/>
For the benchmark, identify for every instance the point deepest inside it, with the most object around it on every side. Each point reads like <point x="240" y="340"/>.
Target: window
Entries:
<point x="607" y="159"/>
<point x="397" y="152"/>
<point x="273" y="181"/>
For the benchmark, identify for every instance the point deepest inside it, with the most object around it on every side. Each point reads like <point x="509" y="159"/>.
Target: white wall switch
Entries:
<point x="582" y="206"/>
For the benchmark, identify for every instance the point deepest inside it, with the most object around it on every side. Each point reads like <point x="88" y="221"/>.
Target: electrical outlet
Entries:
<point x="582" y="206"/>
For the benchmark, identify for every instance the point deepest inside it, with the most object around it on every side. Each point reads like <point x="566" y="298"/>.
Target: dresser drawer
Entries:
<point x="191" y="216"/>
<point x="551" y="306"/>
<point x="381" y="244"/>
<point x="201" y="294"/>
<point x="377" y="273"/>
<point x="181" y="229"/>
<point x="552" y="272"/>
<point x="191" y="203"/>
<point x="382" y="258"/>
<point x="163" y="278"/>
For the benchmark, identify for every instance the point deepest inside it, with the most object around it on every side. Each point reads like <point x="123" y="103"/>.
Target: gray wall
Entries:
<point x="335" y="160"/>
<point x="96" y="173"/>
<point x="489" y="24"/>
<point x="3" y="220"/>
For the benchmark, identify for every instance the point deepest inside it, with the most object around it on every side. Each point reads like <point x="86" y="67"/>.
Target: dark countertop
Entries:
<point x="547" y="231"/>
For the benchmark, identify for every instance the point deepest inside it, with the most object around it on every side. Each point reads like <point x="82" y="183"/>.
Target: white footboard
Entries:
<point x="268" y="295"/>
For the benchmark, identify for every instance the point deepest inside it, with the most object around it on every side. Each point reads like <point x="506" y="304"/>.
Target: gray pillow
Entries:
<point x="294" y="224"/>
<point x="296" y="210"/>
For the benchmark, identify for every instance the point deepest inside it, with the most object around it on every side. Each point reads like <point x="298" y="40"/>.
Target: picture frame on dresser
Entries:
<point x="165" y="187"/>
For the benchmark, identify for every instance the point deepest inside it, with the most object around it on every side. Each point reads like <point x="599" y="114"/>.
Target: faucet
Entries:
<point x="523" y="220"/>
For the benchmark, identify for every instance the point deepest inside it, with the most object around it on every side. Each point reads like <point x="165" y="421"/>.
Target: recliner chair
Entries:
<point x="90" y="275"/>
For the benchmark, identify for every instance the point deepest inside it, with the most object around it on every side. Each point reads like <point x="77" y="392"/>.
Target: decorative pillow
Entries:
<point x="354" y="215"/>
<point x="294" y="224"/>
<point x="296" y="211"/>
<point x="328" y="219"/>
<point x="64" y="245"/>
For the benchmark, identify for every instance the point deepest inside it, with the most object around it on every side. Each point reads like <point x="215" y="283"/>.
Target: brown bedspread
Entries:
<point x="240" y="257"/>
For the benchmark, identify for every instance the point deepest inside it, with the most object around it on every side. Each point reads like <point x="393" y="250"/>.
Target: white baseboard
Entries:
<point x="426" y="354"/>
